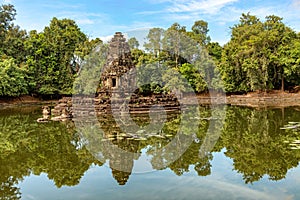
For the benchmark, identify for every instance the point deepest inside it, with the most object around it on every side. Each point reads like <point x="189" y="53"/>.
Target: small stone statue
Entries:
<point x="46" y="114"/>
<point x="63" y="117"/>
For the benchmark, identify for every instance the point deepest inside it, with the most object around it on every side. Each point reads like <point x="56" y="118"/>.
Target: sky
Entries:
<point x="102" y="18"/>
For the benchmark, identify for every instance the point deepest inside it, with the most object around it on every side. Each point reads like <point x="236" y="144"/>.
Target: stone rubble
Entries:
<point x="117" y="80"/>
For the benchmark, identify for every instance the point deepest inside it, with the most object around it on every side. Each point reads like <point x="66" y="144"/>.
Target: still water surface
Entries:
<point x="252" y="158"/>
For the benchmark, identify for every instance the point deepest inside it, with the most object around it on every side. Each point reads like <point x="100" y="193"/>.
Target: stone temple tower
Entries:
<point x="118" y="90"/>
<point x="117" y="72"/>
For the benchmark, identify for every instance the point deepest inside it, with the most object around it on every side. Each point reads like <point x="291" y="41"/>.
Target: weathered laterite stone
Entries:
<point x="117" y="81"/>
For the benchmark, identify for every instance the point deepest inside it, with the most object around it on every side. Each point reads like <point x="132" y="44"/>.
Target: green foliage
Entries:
<point x="184" y="52"/>
<point x="52" y="59"/>
<point x="193" y="76"/>
<point x="7" y="15"/>
<point x="150" y="77"/>
<point x="133" y="43"/>
<point x="256" y="56"/>
<point x="290" y="59"/>
<point x="12" y="79"/>
<point x="175" y="81"/>
<point x="261" y="55"/>
<point x="12" y="38"/>
<point x="154" y="39"/>
<point x="28" y="147"/>
<point x="200" y="31"/>
<point x="88" y="78"/>
<point x="256" y="144"/>
<point x="86" y="48"/>
<point x="252" y="138"/>
<point x="174" y="42"/>
<point x="137" y="55"/>
<point x="215" y="51"/>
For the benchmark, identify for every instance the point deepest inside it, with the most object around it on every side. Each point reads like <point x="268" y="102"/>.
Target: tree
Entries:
<point x="13" y="44"/>
<point x="291" y="61"/>
<point x="83" y="51"/>
<point x="215" y="51"/>
<point x="52" y="61"/>
<point x="88" y="79"/>
<point x="257" y="145"/>
<point x="175" y="40"/>
<point x="137" y="55"/>
<point x="30" y="148"/>
<point x="12" y="79"/>
<point x="154" y="38"/>
<point x="200" y="31"/>
<point x="133" y="43"/>
<point x="237" y="60"/>
<point x="253" y="58"/>
<point x="7" y="15"/>
<point x="182" y="53"/>
<point x="193" y="76"/>
<point x="280" y="38"/>
<point x="11" y="37"/>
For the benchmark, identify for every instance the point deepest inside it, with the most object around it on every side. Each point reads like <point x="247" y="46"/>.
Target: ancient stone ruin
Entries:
<point x="118" y="64"/>
<point x="117" y="94"/>
<point x="117" y="84"/>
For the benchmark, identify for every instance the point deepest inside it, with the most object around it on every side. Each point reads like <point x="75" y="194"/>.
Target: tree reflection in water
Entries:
<point x="252" y="138"/>
<point x="256" y="144"/>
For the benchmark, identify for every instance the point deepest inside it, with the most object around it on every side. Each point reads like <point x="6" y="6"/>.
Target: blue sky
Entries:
<point x="102" y="18"/>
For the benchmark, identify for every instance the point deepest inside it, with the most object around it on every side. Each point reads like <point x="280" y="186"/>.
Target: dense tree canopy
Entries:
<point x="258" y="56"/>
<point x="133" y="43"/>
<point x="12" y="38"/>
<point x="50" y="59"/>
<point x="7" y="15"/>
<point x="13" y="79"/>
<point x="188" y="53"/>
<point x="261" y="55"/>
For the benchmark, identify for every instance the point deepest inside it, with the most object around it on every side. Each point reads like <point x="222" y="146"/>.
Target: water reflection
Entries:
<point x="252" y="138"/>
<point x="254" y="141"/>
<point x="31" y="148"/>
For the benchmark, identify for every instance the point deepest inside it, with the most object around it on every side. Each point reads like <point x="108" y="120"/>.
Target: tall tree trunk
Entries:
<point x="282" y="83"/>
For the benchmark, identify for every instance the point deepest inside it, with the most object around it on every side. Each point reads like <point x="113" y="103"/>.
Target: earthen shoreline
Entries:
<point x="273" y="99"/>
<point x="249" y="100"/>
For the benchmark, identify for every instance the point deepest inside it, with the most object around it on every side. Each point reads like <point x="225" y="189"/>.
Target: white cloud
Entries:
<point x="84" y="18"/>
<point x="81" y="15"/>
<point x="61" y="5"/>
<point x="181" y="6"/>
<point x="133" y="26"/>
<point x="84" y="21"/>
<point x="188" y="8"/>
<point x="107" y="38"/>
<point x="205" y="6"/>
<point x="158" y="1"/>
<point x="221" y="11"/>
<point x="296" y="3"/>
<point x="191" y="10"/>
<point x="7" y="1"/>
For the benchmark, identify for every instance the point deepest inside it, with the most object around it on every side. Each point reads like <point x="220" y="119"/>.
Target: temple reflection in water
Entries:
<point x="251" y="138"/>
